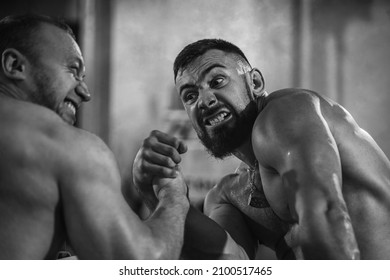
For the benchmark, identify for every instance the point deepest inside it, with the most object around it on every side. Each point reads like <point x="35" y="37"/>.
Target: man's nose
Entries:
<point x="207" y="99"/>
<point x="83" y="92"/>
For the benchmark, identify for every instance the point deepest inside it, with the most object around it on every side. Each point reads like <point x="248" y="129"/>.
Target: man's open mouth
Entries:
<point x="71" y="105"/>
<point x="217" y="119"/>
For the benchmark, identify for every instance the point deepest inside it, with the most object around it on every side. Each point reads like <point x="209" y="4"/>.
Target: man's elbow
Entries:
<point x="233" y="250"/>
<point x="160" y="250"/>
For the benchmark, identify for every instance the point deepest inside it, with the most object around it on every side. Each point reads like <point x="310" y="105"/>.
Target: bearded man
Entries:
<point x="312" y="183"/>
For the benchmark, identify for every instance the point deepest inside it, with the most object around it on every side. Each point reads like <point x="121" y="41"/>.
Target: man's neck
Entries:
<point x="245" y="153"/>
<point x="12" y="92"/>
<point x="261" y="102"/>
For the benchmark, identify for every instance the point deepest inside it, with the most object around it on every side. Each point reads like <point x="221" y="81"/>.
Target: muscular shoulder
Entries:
<point x="40" y="138"/>
<point x="27" y="131"/>
<point x="83" y="154"/>
<point x="285" y="116"/>
<point x="219" y="194"/>
<point x="287" y="104"/>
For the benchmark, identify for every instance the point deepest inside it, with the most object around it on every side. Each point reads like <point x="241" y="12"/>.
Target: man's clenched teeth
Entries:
<point x="71" y="107"/>
<point x="217" y="119"/>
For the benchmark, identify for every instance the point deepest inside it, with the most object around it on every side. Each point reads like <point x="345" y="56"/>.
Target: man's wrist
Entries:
<point x="146" y="193"/>
<point x="174" y="198"/>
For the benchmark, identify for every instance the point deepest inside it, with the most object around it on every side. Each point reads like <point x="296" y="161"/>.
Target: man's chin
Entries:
<point x="223" y="141"/>
<point x="217" y="146"/>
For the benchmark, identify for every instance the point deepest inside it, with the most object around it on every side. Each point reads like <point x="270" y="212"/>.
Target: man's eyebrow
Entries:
<point x="78" y="62"/>
<point x="185" y="86"/>
<point x="202" y="75"/>
<point x="211" y="67"/>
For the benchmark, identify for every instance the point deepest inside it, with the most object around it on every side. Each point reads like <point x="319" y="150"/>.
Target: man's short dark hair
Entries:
<point x="198" y="48"/>
<point x="17" y="31"/>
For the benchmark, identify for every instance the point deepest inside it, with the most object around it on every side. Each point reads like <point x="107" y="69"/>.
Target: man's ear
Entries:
<point x="257" y="82"/>
<point x="13" y="64"/>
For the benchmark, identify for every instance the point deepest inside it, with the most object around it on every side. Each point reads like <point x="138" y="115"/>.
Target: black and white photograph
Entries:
<point x="245" y="133"/>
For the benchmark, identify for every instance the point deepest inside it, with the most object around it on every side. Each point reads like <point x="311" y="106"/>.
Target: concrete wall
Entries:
<point x="349" y="60"/>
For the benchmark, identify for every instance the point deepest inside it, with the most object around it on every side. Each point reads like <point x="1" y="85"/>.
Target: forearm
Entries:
<point x="328" y="236"/>
<point x="167" y="226"/>
<point x="149" y="188"/>
<point x="205" y="239"/>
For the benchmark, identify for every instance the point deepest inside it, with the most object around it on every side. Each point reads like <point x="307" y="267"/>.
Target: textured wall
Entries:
<point x="349" y="60"/>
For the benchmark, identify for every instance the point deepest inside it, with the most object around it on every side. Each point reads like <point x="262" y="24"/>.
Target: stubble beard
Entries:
<point x="44" y="94"/>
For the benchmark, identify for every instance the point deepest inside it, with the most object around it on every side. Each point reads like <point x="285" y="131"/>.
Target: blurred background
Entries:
<point x="339" y="48"/>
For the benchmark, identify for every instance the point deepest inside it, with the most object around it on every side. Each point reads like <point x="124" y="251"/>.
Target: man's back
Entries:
<point x="58" y="182"/>
<point x="31" y="215"/>
<point x="55" y="178"/>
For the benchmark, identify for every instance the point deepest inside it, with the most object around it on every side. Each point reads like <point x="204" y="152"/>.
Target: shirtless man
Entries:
<point x="324" y="190"/>
<point x="58" y="182"/>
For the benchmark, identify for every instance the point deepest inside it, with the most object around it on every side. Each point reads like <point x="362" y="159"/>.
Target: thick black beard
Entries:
<point x="226" y="139"/>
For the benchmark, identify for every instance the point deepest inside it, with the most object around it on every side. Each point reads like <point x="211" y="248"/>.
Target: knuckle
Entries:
<point x="154" y="133"/>
<point x="148" y="142"/>
<point x="142" y="154"/>
<point x="145" y="142"/>
<point x="146" y="159"/>
<point x="171" y="151"/>
<point x="168" y="162"/>
<point x="142" y="166"/>
<point x="176" y="142"/>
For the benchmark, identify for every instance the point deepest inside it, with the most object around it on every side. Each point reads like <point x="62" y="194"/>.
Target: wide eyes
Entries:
<point x="191" y="94"/>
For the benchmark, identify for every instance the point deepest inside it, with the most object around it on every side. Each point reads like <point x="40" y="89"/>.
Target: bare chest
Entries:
<point x="277" y="196"/>
<point x="246" y="193"/>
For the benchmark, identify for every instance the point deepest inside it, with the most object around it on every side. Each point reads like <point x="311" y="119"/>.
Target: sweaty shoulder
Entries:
<point x="284" y="112"/>
<point x="82" y="156"/>
<point x="41" y="138"/>
<point x="286" y="103"/>
<point x="291" y="109"/>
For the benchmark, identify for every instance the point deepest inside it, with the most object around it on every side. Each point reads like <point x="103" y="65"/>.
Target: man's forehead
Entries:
<point x="212" y="57"/>
<point x="203" y="63"/>
<point x="54" y="37"/>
